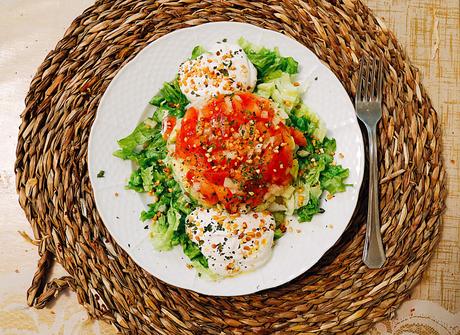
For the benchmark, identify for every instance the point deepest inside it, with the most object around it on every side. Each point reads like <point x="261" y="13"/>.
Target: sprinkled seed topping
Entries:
<point x="231" y="242"/>
<point x="222" y="71"/>
<point x="232" y="154"/>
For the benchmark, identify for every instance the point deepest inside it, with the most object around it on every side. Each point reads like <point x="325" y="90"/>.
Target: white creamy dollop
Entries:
<point x="223" y="70"/>
<point x="232" y="243"/>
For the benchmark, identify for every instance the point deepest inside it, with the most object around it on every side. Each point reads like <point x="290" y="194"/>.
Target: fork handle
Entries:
<point x="373" y="255"/>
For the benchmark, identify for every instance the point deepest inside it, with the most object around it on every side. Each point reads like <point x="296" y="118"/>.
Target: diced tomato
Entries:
<point x="207" y="190"/>
<point x="186" y="139"/>
<point x="221" y="193"/>
<point x="189" y="175"/>
<point x="237" y="104"/>
<point x="298" y="136"/>
<point x="235" y="133"/>
<point x="169" y="122"/>
<point x="216" y="177"/>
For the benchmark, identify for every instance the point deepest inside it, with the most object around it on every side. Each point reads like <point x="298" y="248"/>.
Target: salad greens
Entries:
<point x="282" y="90"/>
<point x="197" y="51"/>
<point x="267" y="62"/>
<point x="317" y="172"/>
<point x="314" y="170"/>
<point x="146" y="147"/>
<point x="170" y="99"/>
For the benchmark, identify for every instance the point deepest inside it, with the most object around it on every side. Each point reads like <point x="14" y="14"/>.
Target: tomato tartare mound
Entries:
<point x="233" y="150"/>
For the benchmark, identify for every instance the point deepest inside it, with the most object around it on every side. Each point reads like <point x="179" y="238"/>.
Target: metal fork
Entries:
<point x="368" y="103"/>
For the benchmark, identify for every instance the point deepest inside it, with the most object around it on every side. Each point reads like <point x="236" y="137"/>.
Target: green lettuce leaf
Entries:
<point x="281" y="89"/>
<point x="147" y="178"/>
<point x="333" y="178"/>
<point x="163" y="229"/>
<point x="170" y="99"/>
<point x="289" y="65"/>
<point x="308" y="122"/>
<point x="191" y="249"/>
<point x="307" y="212"/>
<point x="278" y="234"/>
<point x="198" y="51"/>
<point x="302" y="123"/>
<point x="268" y="61"/>
<point x="314" y="172"/>
<point x="329" y="146"/>
<point x="135" y="181"/>
<point x="141" y="134"/>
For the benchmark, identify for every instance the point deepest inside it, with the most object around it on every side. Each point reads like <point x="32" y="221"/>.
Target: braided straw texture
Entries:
<point x="338" y="295"/>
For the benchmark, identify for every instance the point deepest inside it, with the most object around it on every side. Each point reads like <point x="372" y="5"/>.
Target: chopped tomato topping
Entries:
<point x="299" y="137"/>
<point x="234" y="151"/>
<point x="216" y="177"/>
<point x="169" y="122"/>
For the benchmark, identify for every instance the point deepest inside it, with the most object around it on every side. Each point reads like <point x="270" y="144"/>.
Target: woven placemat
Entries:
<point x="338" y="295"/>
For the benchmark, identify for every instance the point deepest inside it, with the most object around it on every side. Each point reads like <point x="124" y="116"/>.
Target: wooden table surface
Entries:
<point x="428" y="29"/>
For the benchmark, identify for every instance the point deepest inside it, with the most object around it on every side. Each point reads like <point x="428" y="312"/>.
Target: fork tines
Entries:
<point x="370" y="80"/>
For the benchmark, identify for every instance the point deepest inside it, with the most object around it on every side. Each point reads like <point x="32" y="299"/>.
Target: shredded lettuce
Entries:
<point x="278" y="234"/>
<point x="319" y="174"/>
<point x="146" y="147"/>
<point x="197" y="51"/>
<point x="192" y="250"/>
<point x="281" y="90"/>
<point x="302" y="123"/>
<point x="267" y="61"/>
<point x="171" y="99"/>
<point x="308" y="122"/>
<point x="307" y="212"/>
<point x="163" y="229"/>
<point x="147" y="178"/>
<point x="302" y="195"/>
<point x="333" y="178"/>
<point x="141" y="134"/>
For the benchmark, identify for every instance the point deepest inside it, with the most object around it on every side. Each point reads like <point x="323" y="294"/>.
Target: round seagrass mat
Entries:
<point x="339" y="295"/>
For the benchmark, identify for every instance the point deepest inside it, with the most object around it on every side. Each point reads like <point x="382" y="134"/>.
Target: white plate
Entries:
<point x="123" y="106"/>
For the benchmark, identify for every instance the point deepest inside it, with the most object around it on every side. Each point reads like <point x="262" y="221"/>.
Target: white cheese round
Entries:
<point x="232" y="243"/>
<point x="223" y="70"/>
